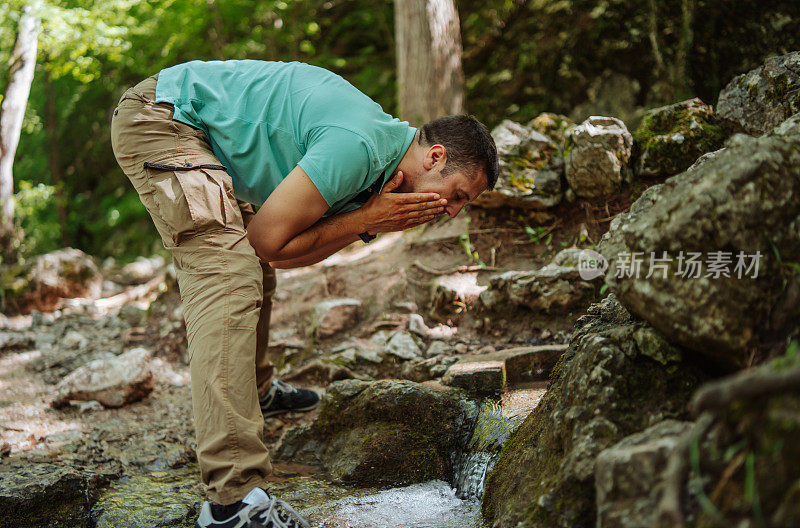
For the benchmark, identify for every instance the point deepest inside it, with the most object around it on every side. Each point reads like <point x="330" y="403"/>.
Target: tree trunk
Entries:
<point x="430" y="77"/>
<point x="12" y="111"/>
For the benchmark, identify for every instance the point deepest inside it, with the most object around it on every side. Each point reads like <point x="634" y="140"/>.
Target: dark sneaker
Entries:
<point x="258" y="510"/>
<point x="282" y="398"/>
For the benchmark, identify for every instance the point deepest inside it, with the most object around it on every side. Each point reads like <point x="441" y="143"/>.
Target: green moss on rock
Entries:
<point x="387" y="432"/>
<point x="671" y="138"/>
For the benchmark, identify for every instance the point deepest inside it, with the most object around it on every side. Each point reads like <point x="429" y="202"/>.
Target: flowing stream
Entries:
<point x="433" y="504"/>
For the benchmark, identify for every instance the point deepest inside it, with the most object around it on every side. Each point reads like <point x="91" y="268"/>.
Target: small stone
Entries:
<point x="112" y="382"/>
<point x="74" y="339"/>
<point x="416" y="324"/>
<point x="85" y="407"/>
<point x="437" y="348"/>
<point x="403" y="346"/>
<point x="482" y="377"/>
<point x="333" y="316"/>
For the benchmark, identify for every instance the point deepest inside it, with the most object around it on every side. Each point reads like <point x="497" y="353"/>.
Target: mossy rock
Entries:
<point x="388" y="432"/>
<point x="604" y="387"/>
<point x="761" y="99"/>
<point x="161" y="498"/>
<point x="672" y="137"/>
<point x="49" y="495"/>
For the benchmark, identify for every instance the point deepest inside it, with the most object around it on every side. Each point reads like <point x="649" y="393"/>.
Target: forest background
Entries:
<point x="576" y="57"/>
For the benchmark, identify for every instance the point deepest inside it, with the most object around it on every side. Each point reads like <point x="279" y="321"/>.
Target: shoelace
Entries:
<point x="277" y="385"/>
<point x="269" y="512"/>
<point x="285" y="387"/>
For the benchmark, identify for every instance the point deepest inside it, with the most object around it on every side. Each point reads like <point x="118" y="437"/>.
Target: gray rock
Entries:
<point x="403" y="346"/>
<point x="49" y="494"/>
<point x="554" y="126"/>
<point x="386" y="432"/>
<point x="479" y="377"/>
<point x="437" y="348"/>
<point x="604" y="388"/>
<point x="628" y="474"/>
<point x="531" y="167"/>
<point x="112" y="382"/>
<point x="743" y="203"/>
<point x="761" y="99"/>
<point x="333" y="316"/>
<point x="556" y="287"/>
<point x="416" y="325"/>
<point x="673" y="137"/>
<point x="597" y="155"/>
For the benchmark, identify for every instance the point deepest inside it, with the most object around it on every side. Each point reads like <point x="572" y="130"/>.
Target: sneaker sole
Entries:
<point x="267" y="414"/>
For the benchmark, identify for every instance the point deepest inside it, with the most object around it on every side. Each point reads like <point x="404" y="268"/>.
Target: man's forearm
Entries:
<point x="315" y="255"/>
<point x="340" y="230"/>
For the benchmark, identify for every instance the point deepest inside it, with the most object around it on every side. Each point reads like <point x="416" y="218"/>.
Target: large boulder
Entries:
<point x="597" y="155"/>
<point x="43" y="282"/>
<point x="618" y="376"/>
<point x="49" y="493"/>
<point x="531" y="167"/>
<point x="555" y="288"/>
<point x="112" y="382"/>
<point x="761" y="99"/>
<point x="697" y="257"/>
<point x="387" y="432"/>
<point x="672" y="137"/>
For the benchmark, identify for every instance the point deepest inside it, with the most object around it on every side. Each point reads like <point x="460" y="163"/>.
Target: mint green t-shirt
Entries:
<point x="264" y="118"/>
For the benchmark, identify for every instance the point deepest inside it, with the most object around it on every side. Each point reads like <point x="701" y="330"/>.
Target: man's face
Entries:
<point x="457" y="187"/>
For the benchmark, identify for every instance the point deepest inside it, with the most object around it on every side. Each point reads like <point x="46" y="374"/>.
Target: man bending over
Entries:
<point x="204" y="141"/>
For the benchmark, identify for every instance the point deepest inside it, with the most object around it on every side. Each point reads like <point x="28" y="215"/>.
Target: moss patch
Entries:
<point x="671" y="138"/>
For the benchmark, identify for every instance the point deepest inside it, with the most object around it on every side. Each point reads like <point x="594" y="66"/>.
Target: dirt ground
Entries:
<point x="392" y="277"/>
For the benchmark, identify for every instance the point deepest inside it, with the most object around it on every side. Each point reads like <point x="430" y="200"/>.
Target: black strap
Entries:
<point x="184" y="167"/>
<point x="365" y="195"/>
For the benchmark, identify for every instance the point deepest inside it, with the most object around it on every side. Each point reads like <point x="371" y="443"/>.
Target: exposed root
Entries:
<point x="745" y="385"/>
<point x="669" y="508"/>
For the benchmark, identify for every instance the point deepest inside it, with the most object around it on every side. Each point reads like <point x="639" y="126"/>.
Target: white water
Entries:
<point x="430" y="504"/>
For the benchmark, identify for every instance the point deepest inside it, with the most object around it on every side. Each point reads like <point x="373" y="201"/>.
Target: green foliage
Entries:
<point x="36" y="215"/>
<point x="536" y="234"/>
<point x="520" y="58"/>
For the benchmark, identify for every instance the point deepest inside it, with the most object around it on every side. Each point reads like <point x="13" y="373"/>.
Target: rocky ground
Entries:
<point x="603" y="392"/>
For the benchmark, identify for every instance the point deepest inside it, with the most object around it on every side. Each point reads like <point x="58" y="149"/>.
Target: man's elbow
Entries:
<point x="264" y="250"/>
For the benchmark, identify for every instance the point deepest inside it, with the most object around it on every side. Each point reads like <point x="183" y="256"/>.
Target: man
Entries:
<point x="201" y="142"/>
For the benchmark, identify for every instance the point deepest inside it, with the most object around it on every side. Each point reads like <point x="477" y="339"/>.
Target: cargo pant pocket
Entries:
<point x="189" y="199"/>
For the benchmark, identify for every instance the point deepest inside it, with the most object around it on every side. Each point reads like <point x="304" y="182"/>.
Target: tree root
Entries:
<point x="745" y="385"/>
<point x="669" y="508"/>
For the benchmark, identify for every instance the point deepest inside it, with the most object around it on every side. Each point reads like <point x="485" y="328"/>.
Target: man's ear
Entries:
<point x="436" y="156"/>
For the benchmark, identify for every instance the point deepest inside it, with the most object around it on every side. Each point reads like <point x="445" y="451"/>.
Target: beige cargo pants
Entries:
<point x="225" y="289"/>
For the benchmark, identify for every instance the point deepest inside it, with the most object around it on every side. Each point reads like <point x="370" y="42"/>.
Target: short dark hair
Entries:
<point x="468" y="142"/>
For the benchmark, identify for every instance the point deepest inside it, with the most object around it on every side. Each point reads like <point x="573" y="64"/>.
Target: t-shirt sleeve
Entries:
<point x="337" y="161"/>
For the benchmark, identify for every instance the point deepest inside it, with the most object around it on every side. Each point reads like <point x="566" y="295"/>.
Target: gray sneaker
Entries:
<point x="257" y="510"/>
